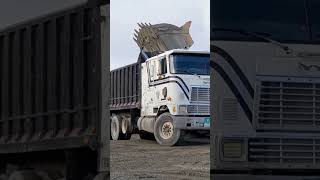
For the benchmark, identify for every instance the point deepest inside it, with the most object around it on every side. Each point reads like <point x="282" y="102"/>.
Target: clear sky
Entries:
<point x="125" y="14"/>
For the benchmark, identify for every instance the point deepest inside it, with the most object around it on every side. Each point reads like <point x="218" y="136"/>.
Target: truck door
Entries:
<point x="157" y="70"/>
<point x="161" y="91"/>
<point x="150" y="91"/>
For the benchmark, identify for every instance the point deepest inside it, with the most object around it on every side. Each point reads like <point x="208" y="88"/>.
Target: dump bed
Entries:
<point x="51" y="82"/>
<point x="125" y="87"/>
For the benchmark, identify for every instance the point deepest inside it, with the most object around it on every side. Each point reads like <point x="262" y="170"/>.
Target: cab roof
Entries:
<point x="179" y="51"/>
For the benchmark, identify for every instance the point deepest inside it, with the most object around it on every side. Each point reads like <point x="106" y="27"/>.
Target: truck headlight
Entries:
<point x="183" y="109"/>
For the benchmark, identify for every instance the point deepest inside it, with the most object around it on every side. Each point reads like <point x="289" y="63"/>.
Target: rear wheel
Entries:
<point x="164" y="131"/>
<point x="116" y="133"/>
<point x="126" y="128"/>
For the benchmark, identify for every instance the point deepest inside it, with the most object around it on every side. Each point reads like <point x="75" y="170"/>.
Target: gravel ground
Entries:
<point x="143" y="159"/>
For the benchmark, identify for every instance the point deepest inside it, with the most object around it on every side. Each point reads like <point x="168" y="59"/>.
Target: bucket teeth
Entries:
<point x="136" y="33"/>
<point x="140" y="25"/>
<point x="162" y="37"/>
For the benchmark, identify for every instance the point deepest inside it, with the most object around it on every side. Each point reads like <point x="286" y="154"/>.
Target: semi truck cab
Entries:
<point x="178" y="82"/>
<point x="175" y="88"/>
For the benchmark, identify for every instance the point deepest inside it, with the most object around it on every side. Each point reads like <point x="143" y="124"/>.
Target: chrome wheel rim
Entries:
<point x="114" y="128"/>
<point x="166" y="130"/>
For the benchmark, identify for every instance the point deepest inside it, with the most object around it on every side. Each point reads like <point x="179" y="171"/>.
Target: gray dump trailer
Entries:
<point x="54" y="77"/>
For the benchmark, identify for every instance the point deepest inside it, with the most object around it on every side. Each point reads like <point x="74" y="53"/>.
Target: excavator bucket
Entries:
<point x="163" y="37"/>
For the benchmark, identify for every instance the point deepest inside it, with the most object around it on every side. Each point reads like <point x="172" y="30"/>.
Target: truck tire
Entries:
<point x="146" y="135"/>
<point x="116" y="128"/>
<point x="164" y="131"/>
<point x="126" y="128"/>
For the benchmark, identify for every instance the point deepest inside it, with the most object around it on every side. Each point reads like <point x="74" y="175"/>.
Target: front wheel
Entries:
<point x="165" y="132"/>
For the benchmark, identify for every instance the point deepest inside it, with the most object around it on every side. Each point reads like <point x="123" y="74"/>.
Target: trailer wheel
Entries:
<point x="115" y="128"/>
<point x="146" y="135"/>
<point x="126" y="128"/>
<point x="165" y="132"/>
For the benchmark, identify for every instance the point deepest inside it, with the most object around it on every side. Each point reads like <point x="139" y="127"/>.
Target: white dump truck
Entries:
<point x="166" y="92"/>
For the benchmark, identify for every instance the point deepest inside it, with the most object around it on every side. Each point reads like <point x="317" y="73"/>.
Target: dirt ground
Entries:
<point x="143" y="159"/>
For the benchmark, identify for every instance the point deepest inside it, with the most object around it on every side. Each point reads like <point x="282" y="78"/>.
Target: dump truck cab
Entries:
<point x="178" y="81"/>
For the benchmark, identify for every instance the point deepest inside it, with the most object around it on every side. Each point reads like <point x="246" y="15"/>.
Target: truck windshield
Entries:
<point x="195" y="64"/>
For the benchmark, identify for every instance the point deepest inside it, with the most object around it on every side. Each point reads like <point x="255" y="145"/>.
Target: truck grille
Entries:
<point x="284" y="150"/>
<point x="288" y="106"/>
<point x="200" y="95"/>
<point x="198" y="109"/>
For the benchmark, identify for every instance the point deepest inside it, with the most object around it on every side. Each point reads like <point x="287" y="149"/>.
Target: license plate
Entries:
<point x="207" y="122"/>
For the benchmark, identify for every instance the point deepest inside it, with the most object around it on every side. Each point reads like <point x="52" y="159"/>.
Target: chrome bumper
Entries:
<point x="192" y="123"/>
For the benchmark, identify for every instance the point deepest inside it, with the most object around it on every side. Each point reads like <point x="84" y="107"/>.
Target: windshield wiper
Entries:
<point x="260" y="35"/>
<point x="182" y="72"/>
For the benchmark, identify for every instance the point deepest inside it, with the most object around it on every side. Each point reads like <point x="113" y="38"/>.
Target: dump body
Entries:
<point x="15" y="12"/>
<point x="54" y="81"/>
<point x="125" y="87"/>
<point x="50" y="82"/>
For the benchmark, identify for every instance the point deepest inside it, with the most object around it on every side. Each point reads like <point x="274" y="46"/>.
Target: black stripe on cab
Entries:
<point x="233" y="88"/>
<point x="170" y="81"/>
<point x="185" y="85"/>
<point x="235" y="67"/>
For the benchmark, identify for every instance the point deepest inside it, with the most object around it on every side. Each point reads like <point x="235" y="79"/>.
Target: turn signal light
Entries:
<point x="174" y="109"/>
